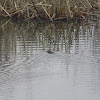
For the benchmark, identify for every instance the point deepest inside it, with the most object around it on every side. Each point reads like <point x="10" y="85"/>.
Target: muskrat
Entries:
<point x="50" y="52"/>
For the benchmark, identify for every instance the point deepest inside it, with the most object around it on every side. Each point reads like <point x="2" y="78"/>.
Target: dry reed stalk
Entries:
<point x="36" y="11"/>
<point x="45" y="10"/>
<point x="6" y="23"/>
<point x="5" y="11"/>
<point x="40" y="4"/>
<point x="70" y="12"/>
<point x="91" y="14"/>
<point x="49" y="9"/>
<point x="15" y="5"/>
<point x="4" y="3"/>
<point x="99" y="5"/>
<point x="47" y="13"/>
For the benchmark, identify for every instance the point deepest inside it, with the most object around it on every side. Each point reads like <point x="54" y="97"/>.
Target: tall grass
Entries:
<point x="49" y="9"/>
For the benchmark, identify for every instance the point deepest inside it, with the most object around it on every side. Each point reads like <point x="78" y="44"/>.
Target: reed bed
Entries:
<point x="49" y="9"/>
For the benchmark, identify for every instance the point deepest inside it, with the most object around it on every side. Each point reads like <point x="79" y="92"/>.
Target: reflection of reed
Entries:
<point x="26" y="38"/>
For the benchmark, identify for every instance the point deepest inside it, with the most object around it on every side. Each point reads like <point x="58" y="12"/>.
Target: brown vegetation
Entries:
<point x="49" y="9"/>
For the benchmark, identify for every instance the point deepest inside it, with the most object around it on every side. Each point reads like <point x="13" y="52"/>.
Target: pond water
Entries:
<point x="49" y="61"/>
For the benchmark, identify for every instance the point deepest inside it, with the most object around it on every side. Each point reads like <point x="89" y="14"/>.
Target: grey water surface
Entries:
<point x="49" y="61"/>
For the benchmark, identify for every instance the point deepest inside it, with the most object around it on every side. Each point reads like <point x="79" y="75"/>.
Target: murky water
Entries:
<point x="28" y="71"/>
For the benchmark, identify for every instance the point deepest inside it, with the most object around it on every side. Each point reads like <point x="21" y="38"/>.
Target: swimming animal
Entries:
<point x="50" y="52"/>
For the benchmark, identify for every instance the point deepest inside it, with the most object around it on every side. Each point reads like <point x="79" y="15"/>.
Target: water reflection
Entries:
<point x="29" y="37"/>
<point x="29" y="72"/>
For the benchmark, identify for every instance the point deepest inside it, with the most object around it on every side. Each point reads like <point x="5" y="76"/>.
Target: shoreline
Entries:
<point x="49" y="10"/>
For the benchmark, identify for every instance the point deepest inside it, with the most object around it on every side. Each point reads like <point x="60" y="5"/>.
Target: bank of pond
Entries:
<point x="49" y="9"/>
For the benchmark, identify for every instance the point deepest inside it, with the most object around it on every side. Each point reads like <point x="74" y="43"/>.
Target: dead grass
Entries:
<point x="49" y="9"/>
